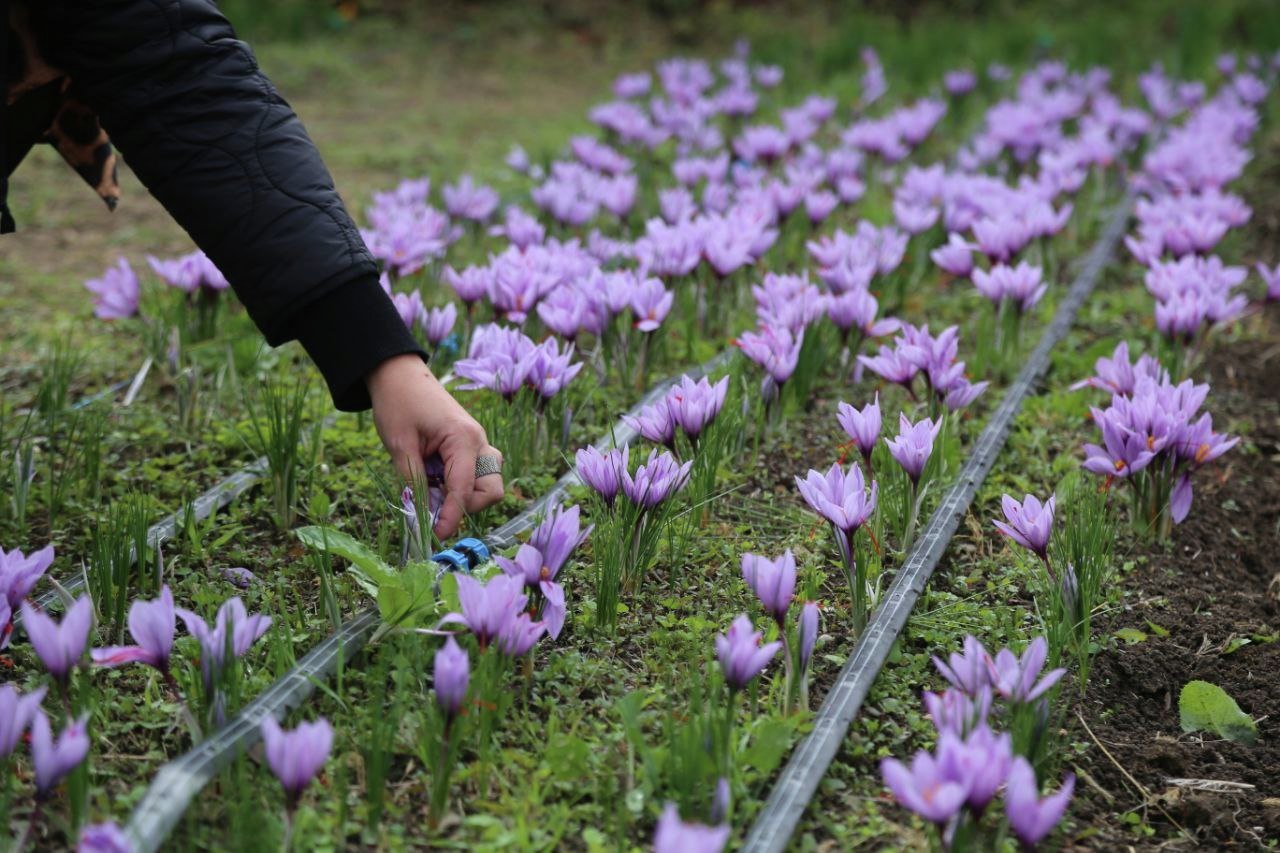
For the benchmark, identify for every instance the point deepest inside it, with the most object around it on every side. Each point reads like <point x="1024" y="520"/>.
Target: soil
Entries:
<point x="1216" y="583"/>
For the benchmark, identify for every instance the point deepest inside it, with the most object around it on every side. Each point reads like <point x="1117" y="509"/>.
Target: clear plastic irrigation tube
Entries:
<point x="166" y="528"/>
<point x="178" y="782"/>
<point x="808" y="764"/>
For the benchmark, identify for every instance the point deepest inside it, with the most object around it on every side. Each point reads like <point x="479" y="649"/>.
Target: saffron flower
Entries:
<point x="1032" y="817"/>
<point x="437" y="323"/>
<point x="924" y="788"/>
<point x="295" y="757"/>
<point x="19" y="574"/>
<point x="980" y="761"/>
<point x="810" y="616"/>
<point x="660" y="477"/>
<point x="60" y="646"/>
<point x="231" y="621"/>
<point x="602" y="471"/>
<point x="741" y="655"/>
<point x="1015" y="678"/>
<point x="104" y="838"/>
<point x="116" y="295"/>
<point x="452" y="669"/>
<point x="55" y="758"/>
<point x="956" y="711"/>
<point x="520" y="634"/>
<point x="694" y="405"/>
<point x="1020" y="285"/>
<point x="955" y="257"/>
<point x="775" y="350"/>
<point x="914" y="445"/>
<point x="488" y="607"/>
<point x="469" y="200"/>
<point x="1123" y="451"/>
<point x="151" y="624"/>
<point x="16" y="713"/>
<point x="862" y="426"/>
<point x="650" y="304"/>
<point x="674" y="835"/>
<point x="968" y="671"/>
<point x="1271" y="278"/>
<point x="1029" y="523"/>
<point x="773" y="582"/>
<point x="840" y="498"/>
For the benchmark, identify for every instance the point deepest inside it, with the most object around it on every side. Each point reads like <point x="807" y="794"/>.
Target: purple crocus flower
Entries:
<point x="1030" y="816"/>
<point x="773" y="582"/>
<point x="924" y="788"/>
<point x="1271" y="278"/>
<point x="741" y="655"/>
<point x="914" y="445"/>
<point x="959" y="82"/>
<point x="1015" y="678"/>
<point x="968" y="671"/>
<point x="1020" y="285"/>
<point x="189" y="273"/>
<point x="19" y="574"/>
<point x="810" y="616"/>
<point x="54" y="759"/>
<point x="602" y="471"/>
<point x="452" y="676"/>
<point x="1123" y="451"/>
<point x="295" y="757"/>
<point x="956" y="711"/>
<point x="488" y="607"/>
<point x="650" y="304"/>
<point x="410" y="307"/>
<point x="819" y="205"/>
<point x="777" y="350"/>
<point x="981" y="761"/>
<point x="841" y="499"/>
<point x="232" y="621"/>
<point x="657" y="479"/>
<point x="16" y="713"/>
<point x="116" y="295"/>
<point x="469" y="200"/>
<point x="955" y="257"/>
<point x="104" y="838"/>
<point x="520" y="633"/>
<point x="60" y="646"/>
<point x="694" y="405"/>
<point x="1029" y="523"/>
<point x="862" y="426"/>
<point x="556" y="538"/>
<point x="437" y="323"/>
<point x="151" y="624"/>
<point x="899" y="365"/>
<point x="674" y="835"/>
<point x="655" y="423"/>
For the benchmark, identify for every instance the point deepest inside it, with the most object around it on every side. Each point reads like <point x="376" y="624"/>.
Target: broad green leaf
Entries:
<point x="1207" y="707"/>
<point x="1131" y="635"/>
<point x="407" y="600"/>
<point x="369" y="565"/>
<point x="769" y="742"/>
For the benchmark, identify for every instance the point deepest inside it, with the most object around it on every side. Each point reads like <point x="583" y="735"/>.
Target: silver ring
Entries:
<point x="486" y="465"/>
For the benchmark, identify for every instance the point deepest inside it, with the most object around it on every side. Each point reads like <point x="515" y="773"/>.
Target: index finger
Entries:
<point x="459" y="483"/>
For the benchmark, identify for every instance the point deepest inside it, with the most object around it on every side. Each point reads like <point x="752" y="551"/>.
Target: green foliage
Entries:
<point x="1206" y="707"/>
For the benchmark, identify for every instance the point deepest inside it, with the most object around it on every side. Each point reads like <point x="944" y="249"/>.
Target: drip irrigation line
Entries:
<point x="166" y="528"/>
<point x="178" y="782"/>
<point x="86" y="402"/>
<point x="799" y="780"/>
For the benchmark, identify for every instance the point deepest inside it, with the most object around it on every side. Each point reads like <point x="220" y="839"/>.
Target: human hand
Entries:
<point x="416" y="417"/>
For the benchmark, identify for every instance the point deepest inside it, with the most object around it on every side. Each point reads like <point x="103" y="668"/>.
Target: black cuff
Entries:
<point x="350" y="331"/>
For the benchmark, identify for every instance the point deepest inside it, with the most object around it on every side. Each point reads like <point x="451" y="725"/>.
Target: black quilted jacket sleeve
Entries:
<point x="210" y="137"/>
